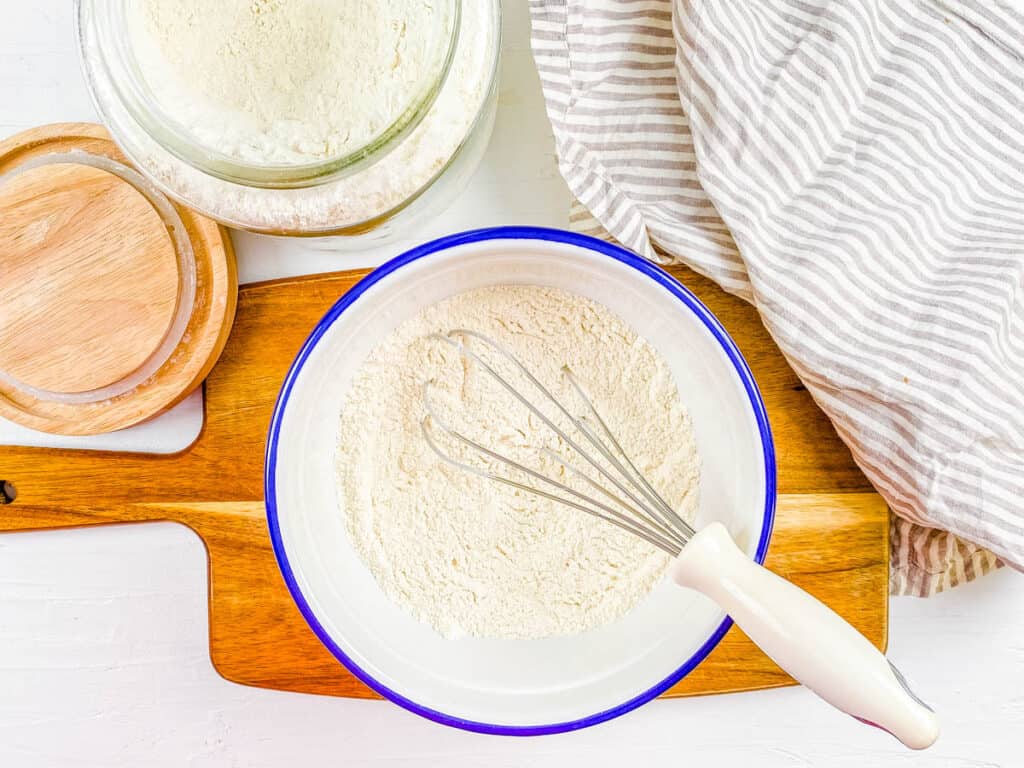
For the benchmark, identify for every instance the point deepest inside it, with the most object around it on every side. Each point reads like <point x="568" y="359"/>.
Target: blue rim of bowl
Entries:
<point x="515" y="233"/>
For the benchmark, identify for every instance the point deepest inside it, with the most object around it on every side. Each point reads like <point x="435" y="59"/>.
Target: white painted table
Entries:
<point x="103" y="646"/>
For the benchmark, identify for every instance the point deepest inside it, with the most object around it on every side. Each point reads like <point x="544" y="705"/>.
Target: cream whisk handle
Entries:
<point x="805" y="637"/>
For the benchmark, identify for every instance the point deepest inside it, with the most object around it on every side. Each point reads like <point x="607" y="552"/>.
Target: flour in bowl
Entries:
<point x="473" y="557"/>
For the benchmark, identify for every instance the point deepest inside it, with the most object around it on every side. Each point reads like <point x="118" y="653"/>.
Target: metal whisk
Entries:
<point x="802" y="635"/>
<point x="643" y="512"/>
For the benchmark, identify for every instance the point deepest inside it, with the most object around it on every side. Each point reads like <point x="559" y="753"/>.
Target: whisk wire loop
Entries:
<point x="671" y="518"/>
<point x="643" y="512"/>
<point x="606" y="513"/>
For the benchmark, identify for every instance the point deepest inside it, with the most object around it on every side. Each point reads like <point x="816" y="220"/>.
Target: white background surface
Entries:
<point x="103" y="647"/>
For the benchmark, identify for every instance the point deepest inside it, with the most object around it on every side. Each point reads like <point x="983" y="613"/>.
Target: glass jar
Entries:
<point x="412" y="167"/>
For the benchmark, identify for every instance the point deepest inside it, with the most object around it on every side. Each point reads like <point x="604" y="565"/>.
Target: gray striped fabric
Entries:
<point x="855" y="169"/>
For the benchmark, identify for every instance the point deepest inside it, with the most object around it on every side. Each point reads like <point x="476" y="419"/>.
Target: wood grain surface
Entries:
<point x="831" y="531"/>
<point x="90" y="280"/>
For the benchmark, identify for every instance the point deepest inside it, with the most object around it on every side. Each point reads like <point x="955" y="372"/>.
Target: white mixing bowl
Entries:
<point x="512" y="686"/>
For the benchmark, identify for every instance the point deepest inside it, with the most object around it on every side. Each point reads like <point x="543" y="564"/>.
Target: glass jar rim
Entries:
<point x="114" y="49"/>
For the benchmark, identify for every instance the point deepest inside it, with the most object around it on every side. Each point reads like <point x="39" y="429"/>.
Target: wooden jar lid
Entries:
<point x="85" y="302"/>
<point x="114" y="303"/>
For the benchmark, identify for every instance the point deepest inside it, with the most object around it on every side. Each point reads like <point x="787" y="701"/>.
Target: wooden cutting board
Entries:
<point x="831" y="532"/>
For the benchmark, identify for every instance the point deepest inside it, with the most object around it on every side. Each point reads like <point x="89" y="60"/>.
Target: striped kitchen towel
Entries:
<point x="856" y="170"/>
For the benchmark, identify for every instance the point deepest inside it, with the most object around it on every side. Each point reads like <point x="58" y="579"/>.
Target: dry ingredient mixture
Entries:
<point x="473" y="557"/>
<point x="285" y="81"/>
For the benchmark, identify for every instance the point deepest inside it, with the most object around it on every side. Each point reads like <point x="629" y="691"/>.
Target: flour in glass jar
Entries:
<point x="473" y="557"/>
<point x="284" y="81"/>
<point x="251" y="125"/>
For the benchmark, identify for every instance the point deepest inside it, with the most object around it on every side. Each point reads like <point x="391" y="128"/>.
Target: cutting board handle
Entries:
<point x="59" y="488"/>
